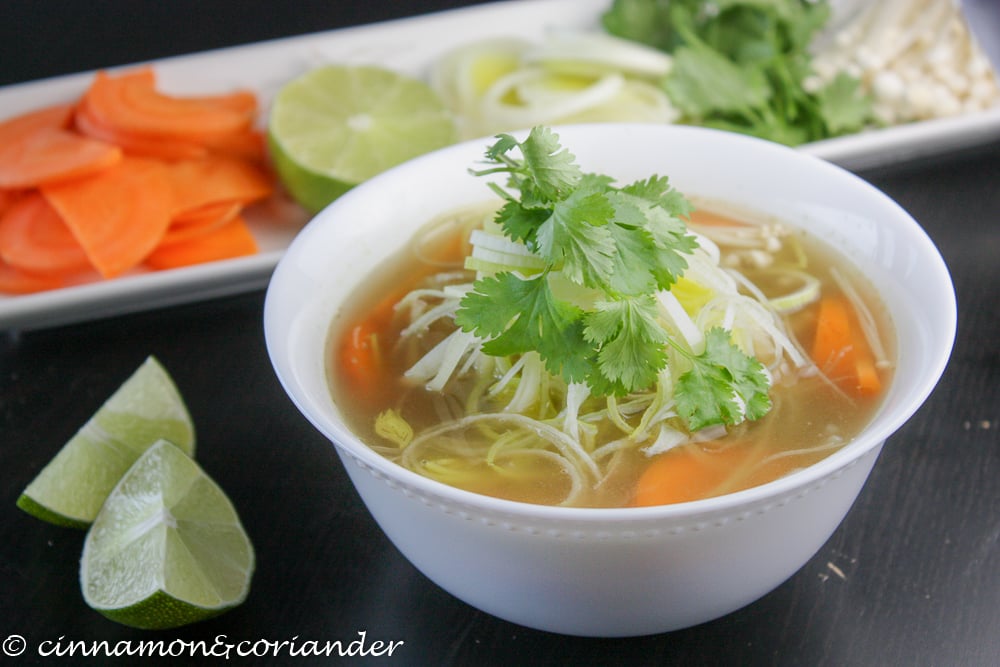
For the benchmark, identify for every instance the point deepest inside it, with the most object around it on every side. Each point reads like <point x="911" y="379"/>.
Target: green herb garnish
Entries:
<point x="591" y="311"/>
<point x="743" y="65"/>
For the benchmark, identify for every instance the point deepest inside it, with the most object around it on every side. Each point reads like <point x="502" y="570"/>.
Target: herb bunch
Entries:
<point x="591" y="313"/>
<point x="744" y="65"/>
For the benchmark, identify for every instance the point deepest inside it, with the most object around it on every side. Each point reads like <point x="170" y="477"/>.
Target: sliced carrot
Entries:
<point x="49" y="155"/>
<point x="119" y="215"/>
<point x="359" y="352"/>
<point x="833" y="349"/>
<point x="131" y="103"/>
<point x="33" y="237"/>
<point x="215" y="179"/>
<point x="57" y="116"/>
<point x="7" y="199"/>
<point x="361" y="359"/>
<point x="867" y="376"/>
<point x="207" y="214"/>
<point x="125" y="171"/>
<point x="136" y="144"/>
<point x="687" y="473"/>
<point x="38" y="146"/>
<point x="17" y="281"/>
<point x="840" y="349"/>
<point x="250" y="145"/>
<point x="199" y="222"/>
<point x="231" y="240"/>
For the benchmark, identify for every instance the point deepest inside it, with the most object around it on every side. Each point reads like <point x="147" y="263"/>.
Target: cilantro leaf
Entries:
<point x="657" y="190"/>
<point x="724" y="386"/>
<point x="631" y="342"/>
<point x="520" y="223"/>
<point x="552" y="168"/>
<point x="517" y="315"/>
<point x="576" y="238"/>
<point x="672" y="244"/>
<point x="634" y="263"/>
<point x="703" y="82"/>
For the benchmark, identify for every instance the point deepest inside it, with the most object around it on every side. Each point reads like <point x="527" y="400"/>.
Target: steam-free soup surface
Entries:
<point x="501" y="427"/>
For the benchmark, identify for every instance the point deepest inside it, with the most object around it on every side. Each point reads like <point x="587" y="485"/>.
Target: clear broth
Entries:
<point x="809" y="420"/>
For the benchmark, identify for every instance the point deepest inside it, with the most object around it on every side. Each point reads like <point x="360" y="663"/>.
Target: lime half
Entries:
<point x="70" y="490"/>
<point x="336" y="126"/>
<point x="167" y="547"/>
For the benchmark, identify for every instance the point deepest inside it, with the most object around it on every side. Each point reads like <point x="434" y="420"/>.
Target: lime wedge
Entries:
<point x="167" y="547"/>
<point x="336" y="126"/>
<point x="70" y="490"/>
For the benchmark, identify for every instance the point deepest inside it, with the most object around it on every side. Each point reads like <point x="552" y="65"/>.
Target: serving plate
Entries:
<point x="407" y="45"/>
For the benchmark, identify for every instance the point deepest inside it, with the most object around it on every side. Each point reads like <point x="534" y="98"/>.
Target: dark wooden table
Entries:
<point x="912" y="577"/>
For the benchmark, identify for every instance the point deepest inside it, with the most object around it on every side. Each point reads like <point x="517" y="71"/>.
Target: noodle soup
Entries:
<point x="675" y="564"/>
<point x="504" y="427"/>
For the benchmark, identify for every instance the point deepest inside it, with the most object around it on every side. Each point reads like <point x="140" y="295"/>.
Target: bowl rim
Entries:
<point x="769" y="494"/>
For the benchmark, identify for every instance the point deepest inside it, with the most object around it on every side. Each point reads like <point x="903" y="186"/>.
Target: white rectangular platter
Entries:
<point x="409" y="46"/>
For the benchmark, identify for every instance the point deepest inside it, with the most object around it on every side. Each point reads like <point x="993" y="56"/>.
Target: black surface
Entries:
<point x="912" y="577"/>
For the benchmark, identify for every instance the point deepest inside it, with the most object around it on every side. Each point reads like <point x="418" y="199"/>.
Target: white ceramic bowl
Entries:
<point x="614" y="572"/>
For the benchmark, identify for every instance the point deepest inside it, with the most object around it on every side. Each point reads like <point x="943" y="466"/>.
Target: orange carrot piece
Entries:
<point x="250" y="145"/>
<point x="34" y="238"/>
<point x="840" y="349"/>
<point x="7" y="199"/>
<point x="360" y="358"/>
<point x="207" y="214"/>
<point x="130" y="102"/>
<point x="359" y="353"/>
<point x="119" y="215"/>
<point x="136" y="144"/>
<point x="215" y="179"/>
<point x="869" y="383"/>
<point x="686" y="473"/>
<point x="833" y="349"/>
<point x="50" y="155"/>
<point x="233" y="239"/>
<point x="57" y="116"/>
<point x="38" y="146"/>
<point x="16" y="281"/>
<point x="200" y="221"/>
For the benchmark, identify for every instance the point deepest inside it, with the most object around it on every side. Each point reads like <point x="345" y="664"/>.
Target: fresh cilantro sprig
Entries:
<point x="724" y="386"/>
<point x="609" y="250"/>
<point x="742" y="65"/>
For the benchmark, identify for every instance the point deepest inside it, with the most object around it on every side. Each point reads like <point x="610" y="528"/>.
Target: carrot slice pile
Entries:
<point x="127" y="177"/>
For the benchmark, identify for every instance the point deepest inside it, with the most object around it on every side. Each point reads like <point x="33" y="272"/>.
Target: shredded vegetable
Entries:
<point x="505" y="84"/>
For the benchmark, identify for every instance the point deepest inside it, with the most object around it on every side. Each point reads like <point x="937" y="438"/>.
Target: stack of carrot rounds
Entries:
<point x="125" y="177"/>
